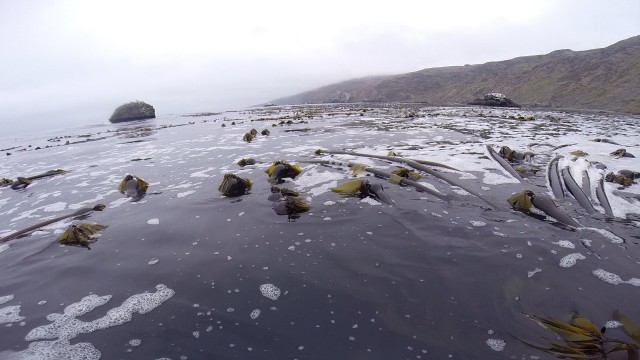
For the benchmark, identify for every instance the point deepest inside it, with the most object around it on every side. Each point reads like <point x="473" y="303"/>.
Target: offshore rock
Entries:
<point x="136" y="110"/>
<point x="495" y="99"/>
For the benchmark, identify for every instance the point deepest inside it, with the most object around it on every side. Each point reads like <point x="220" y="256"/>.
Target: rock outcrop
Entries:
<point x="495" y="99"/>
<point x="136" y="110"/>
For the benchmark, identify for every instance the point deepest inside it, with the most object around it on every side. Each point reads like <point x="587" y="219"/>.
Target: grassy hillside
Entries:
<point x="599" y="79"/>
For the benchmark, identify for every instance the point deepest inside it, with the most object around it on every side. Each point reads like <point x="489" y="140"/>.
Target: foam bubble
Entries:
<point x="10" y="314"/>
<point x="565" y="244"/>
<point x="254" y="314"/>
<point x="153" y="261"/>
<point x="571" y="259"/>
<point x="496" y="344"/>
<point x="66" y="326"/>
<point x="186" y="193"/>
<point x="614" y="279"/>
<point x="270" y="291"/>
<point x="154" y="221"/>
<point x="612" y="324"/>
<point x="59" y="206"/>
<point x="5" y="299"/>
<point x="478" y="223"/>
<point x="135" y="342"/>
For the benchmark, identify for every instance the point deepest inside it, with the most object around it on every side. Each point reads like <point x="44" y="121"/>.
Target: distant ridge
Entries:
<point x="598" y="79"/>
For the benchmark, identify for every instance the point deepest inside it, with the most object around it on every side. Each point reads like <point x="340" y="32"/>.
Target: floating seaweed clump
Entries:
<point x="578" y="153"/>
<point x="407" y="174"/>
<point x="232" y="185"/>
<point x="362" y="188"/>
<point x="280" y="169"/>
<point x="246" y="161"/>
<point x="81" y="235"/>
<point x="618" y="179"/>
<point x="521" y="200"/>
<point x="622" y="153"/>
<point x="291" y="206"/>
<point x="133" y="186"/>
<point x="584" y="340"/>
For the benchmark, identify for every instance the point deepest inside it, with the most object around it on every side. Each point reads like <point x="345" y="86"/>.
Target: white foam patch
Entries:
<point x="203" y="173"/>
<point x="59" y="206"/>
<point x="312" y="178"/>
<point x="154" y="221"/>
<point x="614" y="279"/>
<point x="5" y="299"/>
<point x="612" y="324"/>
<point x="118" y="202"/>
<point x="571" y="259"/>
<point x="186" y="193"/>
<point x="533" y="272"/>
<point x="497" y="179"/>
<point x="370" y="201"/>
<point x="496" y="344"/>
<point x="270" y="291"/>
<point x="477" y="223"/>
<point x="4" y="247"/>
<point x="565" y="244"/>
<point x="608" y="234"/>
<point x="10" y="314"/>
<point x="254" y="314"/>
<point x="66" y="326"/>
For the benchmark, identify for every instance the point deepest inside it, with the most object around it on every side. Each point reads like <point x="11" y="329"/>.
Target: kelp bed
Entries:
<point x="183" y="272"/>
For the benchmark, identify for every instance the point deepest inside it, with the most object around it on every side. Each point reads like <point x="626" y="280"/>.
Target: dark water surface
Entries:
<point x="178" y="274"/>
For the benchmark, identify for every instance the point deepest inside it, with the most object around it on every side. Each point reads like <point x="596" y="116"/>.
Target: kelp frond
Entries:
<point x="81" y="235"/>
<point x="521" y="199"/>
<point x="584" y="340"/>
<point x="280" y="169"/>
<point x="232" y="185"/>
<point x="290" y="205"/>
<point x="284" y="191"/>
<point x="358" y="169"/>
<point x="141" y="185"/>
<point x="246" y="161"/>
<point x="407" y="174"/>
<point x="352" y="187"/>
<point x="5" y="182"/>
<point x="578" y="153"/>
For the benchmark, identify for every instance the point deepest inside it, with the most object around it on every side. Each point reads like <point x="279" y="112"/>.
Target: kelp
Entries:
<point x="232" y="185"/>
<point x="291" y="206"/>
<point x="525" y="199"/>
<point x="416" y="165"/>
<point x="621" y="153"/>
<point x="265" y="132"/>
<point x="79" y="212"/>
<point x="576" y="191"/>
<point x="362" y="188"/>
<point x="24" y="181"/>
<point x="584" y="340"/>
<point x="81" y="235"/>
<point x="521" y="200"/>
<point x="246" y="161"/>
<point x="5" y="182"/>
<point x="579" y="153"/>
<point x="284" y="191"/>
<point x="407" y="174"/>
<point x="281" y="169"/>
<point x="500" y="159"/>
<point x="357" y="168"/>
<point x="618" y="179"/>
<point x="133" y="187"/>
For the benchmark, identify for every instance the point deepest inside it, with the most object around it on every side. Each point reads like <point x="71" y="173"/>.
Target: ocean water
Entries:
<point x="186" y="273"/>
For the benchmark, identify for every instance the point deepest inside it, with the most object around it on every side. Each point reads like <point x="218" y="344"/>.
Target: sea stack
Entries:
<point x="136" y="110"/>
<point x="495" y="99"/>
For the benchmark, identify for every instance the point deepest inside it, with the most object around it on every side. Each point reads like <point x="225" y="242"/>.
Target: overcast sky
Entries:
<point x="68" y="63"/>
